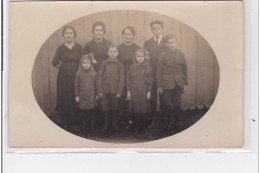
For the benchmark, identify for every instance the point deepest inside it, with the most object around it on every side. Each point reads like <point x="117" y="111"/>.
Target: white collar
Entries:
<point x="159" y="39"/>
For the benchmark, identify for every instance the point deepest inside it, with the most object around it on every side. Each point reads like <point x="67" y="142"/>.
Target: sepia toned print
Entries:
<point x="189" y="106"/>
<point x="173" y="53"/>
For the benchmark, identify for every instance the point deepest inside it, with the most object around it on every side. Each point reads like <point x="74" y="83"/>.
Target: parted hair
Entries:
<point x="98" y="24"/>
<point x="170" y="36"/>
<point x="130" y="28"/>
<point x="69" y="27"/>
<point x="147" y="69"/>
<point x="156" y="22"/>
<point x="112" y="46"/>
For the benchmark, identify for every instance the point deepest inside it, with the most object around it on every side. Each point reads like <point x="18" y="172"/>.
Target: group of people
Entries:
<point x="120" y="80"/>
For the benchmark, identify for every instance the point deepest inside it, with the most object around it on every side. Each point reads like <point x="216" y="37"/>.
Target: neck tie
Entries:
<point x="157" y="41"/>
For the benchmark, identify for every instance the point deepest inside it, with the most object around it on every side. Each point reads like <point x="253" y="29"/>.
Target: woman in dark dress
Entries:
<point x="67" y="60"/>
<point x="127" y="51"/>
<point x="98" y="46"/>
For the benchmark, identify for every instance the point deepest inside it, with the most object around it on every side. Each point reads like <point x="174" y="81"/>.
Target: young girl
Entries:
<point x="139" y="86"/>
<point x="85" y="89"/>
<point x="67" y="60"/>
<point x="110" y="85"/>
<point x="172" y="79"/>
<point x="99" y="45"/>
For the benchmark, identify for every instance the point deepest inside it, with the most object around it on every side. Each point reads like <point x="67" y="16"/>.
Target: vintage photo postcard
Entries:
<point x="125" y="75"/>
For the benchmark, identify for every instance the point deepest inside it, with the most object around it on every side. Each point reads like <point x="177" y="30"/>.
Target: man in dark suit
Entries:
<point x="155" y="46"/>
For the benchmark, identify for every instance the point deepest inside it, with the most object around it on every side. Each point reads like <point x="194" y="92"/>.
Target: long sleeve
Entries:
<point x="95" y="84"/>
<point x="121" y="79"/>
<point x="81" y="52"/>
<point x="185" y="70"/>
<point x="86" y="49"/>
<point x="77" y="81"/>
<point x="128" y="80"/>
<point x="100" y="78"/>
<point x="56" y="59"/>
<point x="150" y="81"/>
<point x="159" y="71"/>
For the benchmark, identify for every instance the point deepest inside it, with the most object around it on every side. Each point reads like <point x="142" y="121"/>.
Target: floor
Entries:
<point x="127" y="132"/>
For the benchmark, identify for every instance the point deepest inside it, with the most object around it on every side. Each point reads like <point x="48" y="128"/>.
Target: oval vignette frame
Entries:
<point x="203" y="72"/>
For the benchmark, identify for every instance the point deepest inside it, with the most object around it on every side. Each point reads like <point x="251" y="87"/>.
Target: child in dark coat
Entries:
<point x="172" y="78"/>
<point x="110" y="85"/>
<point x="139" y="85"/>
<point x="85" y="89"/>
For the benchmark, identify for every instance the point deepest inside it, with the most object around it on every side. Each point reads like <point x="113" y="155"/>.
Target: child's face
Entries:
<point x="139" y="57"/>
<point x="112" y="52"/>
<point x="69" y="35"/>
<point x="128" y="36"/>
<point x="98" y="32"/>
<point x="86" y="64"/>
<point x="172" y="44"/>
<point x="157" y="30"/>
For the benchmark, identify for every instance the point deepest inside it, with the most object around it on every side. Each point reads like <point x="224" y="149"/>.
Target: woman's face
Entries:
<point x="69" y="35"/>
<point x="86" y="64"/>
<point x="128" y="36"/>
<point x="98" y="32"/>
<point x="139" y="57"/>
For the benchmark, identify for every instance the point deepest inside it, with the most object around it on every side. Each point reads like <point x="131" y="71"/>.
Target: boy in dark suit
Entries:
<point x="155" y="46"/>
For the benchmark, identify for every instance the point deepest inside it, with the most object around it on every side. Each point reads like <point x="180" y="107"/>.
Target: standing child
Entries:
<point x="110" y="85"/>
<point x="172" y="79"/>
<point x="155" y="46"/>
<point x="139" y="85"/>
<point x="85" y="89"/>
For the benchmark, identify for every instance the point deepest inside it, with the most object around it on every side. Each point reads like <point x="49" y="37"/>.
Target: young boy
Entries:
<point x="155" y="46"/>
<point x="110" y="84"/>
<point x="172" y="79"/>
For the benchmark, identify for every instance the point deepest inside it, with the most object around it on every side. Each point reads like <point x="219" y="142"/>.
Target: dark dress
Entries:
<point x="138" y="84"/>
<point x="126" y="56"/>
<point x="98" y="49"/>
<point x="69" y="59"/>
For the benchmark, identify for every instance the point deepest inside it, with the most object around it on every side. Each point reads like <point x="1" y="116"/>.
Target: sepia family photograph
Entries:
<point x="125" y="76"/>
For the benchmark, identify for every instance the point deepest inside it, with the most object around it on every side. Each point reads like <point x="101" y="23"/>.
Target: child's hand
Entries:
<point x="148" y="96"/>
<point x="97" y="97"/>
<point x="77" y="99"/>
<point x="118" y="95"/>
<point x="100" y="95"/>
<point x="185" y="88"/>
<point x="160" y="90"/>
<point x="128" y="97"/>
